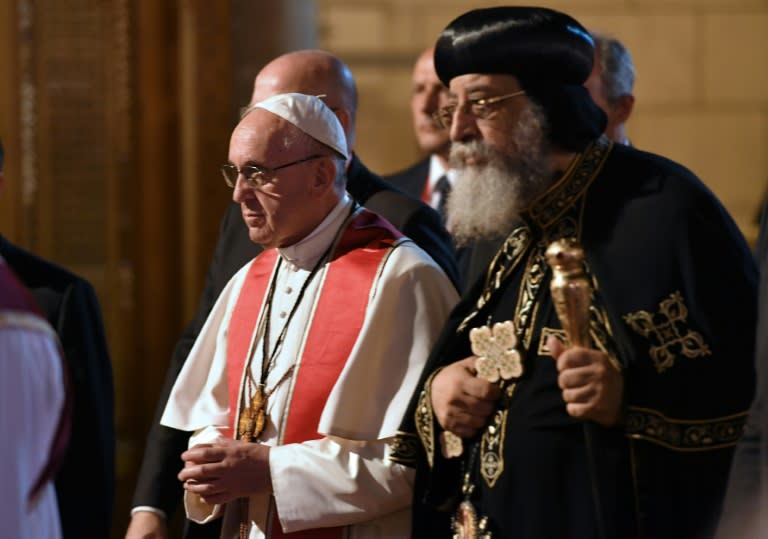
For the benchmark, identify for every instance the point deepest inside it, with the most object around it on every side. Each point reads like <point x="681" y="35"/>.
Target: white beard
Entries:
<point x="486" y="200"/>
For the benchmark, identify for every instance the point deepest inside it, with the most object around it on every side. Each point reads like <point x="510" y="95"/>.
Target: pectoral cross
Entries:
<point x="497" y="359"/>
<point x="495" y="348"/>
<point x="252" y="419"/>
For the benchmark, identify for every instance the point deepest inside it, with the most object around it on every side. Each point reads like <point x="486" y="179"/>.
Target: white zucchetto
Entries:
<point x="311" y="115"/>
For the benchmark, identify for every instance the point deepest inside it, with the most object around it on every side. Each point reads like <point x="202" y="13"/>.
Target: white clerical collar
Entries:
<point x="305" y="253"/>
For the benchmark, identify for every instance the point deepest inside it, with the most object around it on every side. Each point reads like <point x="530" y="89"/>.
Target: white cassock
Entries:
<point x="346" y="477"/>
<point x="31" y="400"/>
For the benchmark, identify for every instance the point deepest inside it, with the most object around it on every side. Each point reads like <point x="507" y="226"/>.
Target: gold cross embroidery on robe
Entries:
<point x="668" y="332"/>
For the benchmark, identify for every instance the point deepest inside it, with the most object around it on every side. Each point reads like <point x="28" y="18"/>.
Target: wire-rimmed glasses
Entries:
<point x="256" y="176"/>
<point x="479" y="108"/>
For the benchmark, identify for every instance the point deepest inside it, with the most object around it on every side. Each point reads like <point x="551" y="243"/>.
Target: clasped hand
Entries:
<point x="591" y="386"/>
<point x="226" y="470"/>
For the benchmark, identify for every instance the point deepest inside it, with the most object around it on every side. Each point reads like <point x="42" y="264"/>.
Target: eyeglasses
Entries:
<point x="479" y="108"/>
<point x="255" y="175"/>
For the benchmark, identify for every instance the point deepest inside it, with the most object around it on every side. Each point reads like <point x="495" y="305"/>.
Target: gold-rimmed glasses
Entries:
<point x="257" y="176"/>
<point x="479" y="108"/>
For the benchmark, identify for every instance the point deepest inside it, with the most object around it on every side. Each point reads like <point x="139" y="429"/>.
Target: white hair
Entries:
<point x="487" y="199"/>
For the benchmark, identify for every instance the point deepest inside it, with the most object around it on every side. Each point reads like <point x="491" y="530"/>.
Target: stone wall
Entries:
<point x="701" y="89"/>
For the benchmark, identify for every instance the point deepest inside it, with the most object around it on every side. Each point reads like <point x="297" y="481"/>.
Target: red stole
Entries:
<point x="334" y="328"/>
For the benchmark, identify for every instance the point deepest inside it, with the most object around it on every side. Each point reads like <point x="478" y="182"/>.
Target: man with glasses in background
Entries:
<point x="301" y="374"/>
<point x="594" y="383"/>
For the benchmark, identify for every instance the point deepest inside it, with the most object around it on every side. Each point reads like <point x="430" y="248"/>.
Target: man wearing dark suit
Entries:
<point x="86" y="480"/>
<point x="158" y="491"/>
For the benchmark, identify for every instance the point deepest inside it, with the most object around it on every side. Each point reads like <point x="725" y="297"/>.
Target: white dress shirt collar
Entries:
<point x="436" y="170"/>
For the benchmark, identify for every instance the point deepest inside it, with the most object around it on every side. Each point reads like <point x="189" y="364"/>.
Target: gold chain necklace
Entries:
<point x="253" y="418"/>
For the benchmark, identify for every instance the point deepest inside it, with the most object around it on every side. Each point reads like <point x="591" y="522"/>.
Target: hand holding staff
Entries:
<point x="592" y="387"/>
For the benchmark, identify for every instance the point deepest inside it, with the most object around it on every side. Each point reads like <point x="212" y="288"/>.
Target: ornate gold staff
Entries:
<point x="570" y="290"/>
<point x="571" y="294"/>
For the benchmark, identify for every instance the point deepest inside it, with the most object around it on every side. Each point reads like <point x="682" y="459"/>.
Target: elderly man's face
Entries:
<point x="500" y="153"/>
<point x="277" y="214"/>
<point x="494" y="125"/>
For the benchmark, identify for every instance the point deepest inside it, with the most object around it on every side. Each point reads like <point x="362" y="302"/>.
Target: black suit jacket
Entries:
<point x="412" y="180"/>
<point x="85" y="482"/>
<point x="157" y="484"/>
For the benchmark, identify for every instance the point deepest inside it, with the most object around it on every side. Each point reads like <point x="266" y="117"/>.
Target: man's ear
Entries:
<point x="624" y="106"/>
<point x="345" y="118"/>
<point x="324" y="176"/>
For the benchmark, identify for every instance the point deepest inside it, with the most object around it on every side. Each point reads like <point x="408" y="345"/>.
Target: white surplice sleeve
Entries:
<point x="347" y="477"/>
<point x="199" y="397"/>
<point x="336" y="482"/>
<point x="410" y="303"/>
<point x="31" y="400"/>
